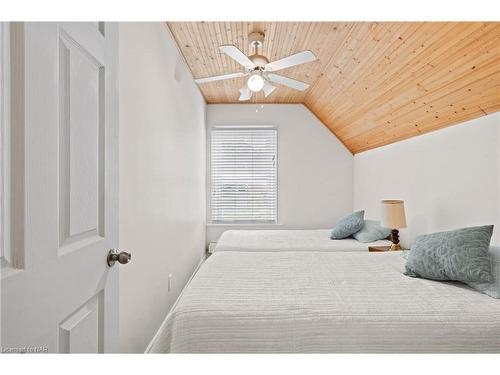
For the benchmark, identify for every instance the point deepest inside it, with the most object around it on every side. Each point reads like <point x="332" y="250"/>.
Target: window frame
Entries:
<point x="213" y="127"/>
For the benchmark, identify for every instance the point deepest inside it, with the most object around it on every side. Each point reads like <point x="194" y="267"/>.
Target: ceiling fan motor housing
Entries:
<point x="259" y="60"/>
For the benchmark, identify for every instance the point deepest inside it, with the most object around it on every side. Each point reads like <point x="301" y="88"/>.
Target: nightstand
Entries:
<point x="378" y="249"/>
<point x="211" y="247"/>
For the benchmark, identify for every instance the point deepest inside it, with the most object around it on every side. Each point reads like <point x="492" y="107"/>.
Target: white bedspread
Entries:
<point x="325" y="302"/>
<point x="289" y="240"/>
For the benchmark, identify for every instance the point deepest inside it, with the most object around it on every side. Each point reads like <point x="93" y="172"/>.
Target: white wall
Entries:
<point x="449" y="178"/>
<point x="314" y="168"/>
<point x="162" y="178"/>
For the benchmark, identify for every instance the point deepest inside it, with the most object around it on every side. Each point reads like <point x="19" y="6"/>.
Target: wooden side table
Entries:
<point x="378" y="249"/>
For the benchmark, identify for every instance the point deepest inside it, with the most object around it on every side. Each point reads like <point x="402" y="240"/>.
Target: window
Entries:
<point x="243" y="174"/>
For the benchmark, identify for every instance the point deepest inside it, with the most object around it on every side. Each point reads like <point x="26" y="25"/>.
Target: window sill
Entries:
<point x="244" y="225"/>
<point x="6" y="270"/>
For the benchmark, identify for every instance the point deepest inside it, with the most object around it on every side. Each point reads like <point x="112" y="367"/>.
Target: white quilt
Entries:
<point x="289" y="240"/>
<point x="297" y="302"/>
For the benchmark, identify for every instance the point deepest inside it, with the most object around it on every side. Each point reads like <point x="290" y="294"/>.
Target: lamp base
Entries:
<point x="395" y="240"/>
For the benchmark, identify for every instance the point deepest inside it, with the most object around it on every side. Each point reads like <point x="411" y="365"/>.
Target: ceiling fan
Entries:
<point x="260" y="70"/>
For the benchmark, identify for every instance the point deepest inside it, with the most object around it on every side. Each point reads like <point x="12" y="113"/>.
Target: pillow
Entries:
<point x="460" y="255"/>
<point x="348" y="225"/>
<point x="372" y="231"/>
<point x="493" y="287"/>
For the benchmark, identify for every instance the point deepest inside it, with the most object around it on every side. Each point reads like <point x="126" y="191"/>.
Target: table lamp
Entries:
<point x="393" y="217"/>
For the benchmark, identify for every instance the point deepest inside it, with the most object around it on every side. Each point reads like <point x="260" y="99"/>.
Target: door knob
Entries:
<point x="115" y="255"/>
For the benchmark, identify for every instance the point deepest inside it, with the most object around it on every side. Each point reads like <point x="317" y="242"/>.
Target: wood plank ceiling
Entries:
<point x="374" y="83"/>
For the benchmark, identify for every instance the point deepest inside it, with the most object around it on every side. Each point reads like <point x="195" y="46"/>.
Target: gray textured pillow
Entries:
<point x="348" y="225"/>
<point x="491" y="288"/>
<point x="372" y="231"/>
<point x="460" y="255"/>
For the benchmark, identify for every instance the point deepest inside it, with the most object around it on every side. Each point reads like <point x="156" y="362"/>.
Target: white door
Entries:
<point x="58" y="293"/>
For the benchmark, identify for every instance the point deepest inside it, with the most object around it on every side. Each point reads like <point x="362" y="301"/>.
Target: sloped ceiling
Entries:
<point x="374" y="83"/>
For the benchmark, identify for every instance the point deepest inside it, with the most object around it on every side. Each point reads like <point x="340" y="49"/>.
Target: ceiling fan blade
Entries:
<point x="292" y="60"/>
<point x="219" y="78"/>
<point x="285" y="81"/>
<point x="234" y="53"/>
<point x="268" y="88"/>
<point x="245" y="94"/>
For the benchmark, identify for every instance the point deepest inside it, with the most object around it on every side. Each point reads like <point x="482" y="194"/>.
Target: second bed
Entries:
<point x="289" y="240"/>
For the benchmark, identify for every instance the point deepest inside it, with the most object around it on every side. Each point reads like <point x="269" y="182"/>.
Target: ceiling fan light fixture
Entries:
<point x="255" y="82"/>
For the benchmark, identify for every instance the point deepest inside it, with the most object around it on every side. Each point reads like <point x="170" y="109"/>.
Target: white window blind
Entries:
<point x="243" y="174"/>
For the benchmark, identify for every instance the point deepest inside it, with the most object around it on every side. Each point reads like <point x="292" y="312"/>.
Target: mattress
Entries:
<point x="303" y="302"/>
<point x="289" y="240"/>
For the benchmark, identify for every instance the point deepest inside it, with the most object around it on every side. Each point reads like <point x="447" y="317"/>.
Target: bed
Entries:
<point x="289" y="240"/>
<point x="302" y="302"/>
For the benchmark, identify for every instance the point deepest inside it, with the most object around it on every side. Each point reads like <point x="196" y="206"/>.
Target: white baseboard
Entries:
<point x="148" y="349"/>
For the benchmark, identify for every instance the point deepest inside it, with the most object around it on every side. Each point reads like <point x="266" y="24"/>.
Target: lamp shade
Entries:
<point x="393" y="214"/>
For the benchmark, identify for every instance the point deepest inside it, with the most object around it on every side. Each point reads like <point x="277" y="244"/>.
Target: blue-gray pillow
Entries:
<point x="491" y="288"/>
<point x="460" y="255"/>
<point x="371" y="231"/>
<point x="348" y="225"/>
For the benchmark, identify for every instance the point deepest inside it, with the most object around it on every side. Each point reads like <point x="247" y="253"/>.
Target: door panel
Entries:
<point x="81" y="147"/>
<point x="66" y="297"/>
<point x="82" y="332"/>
